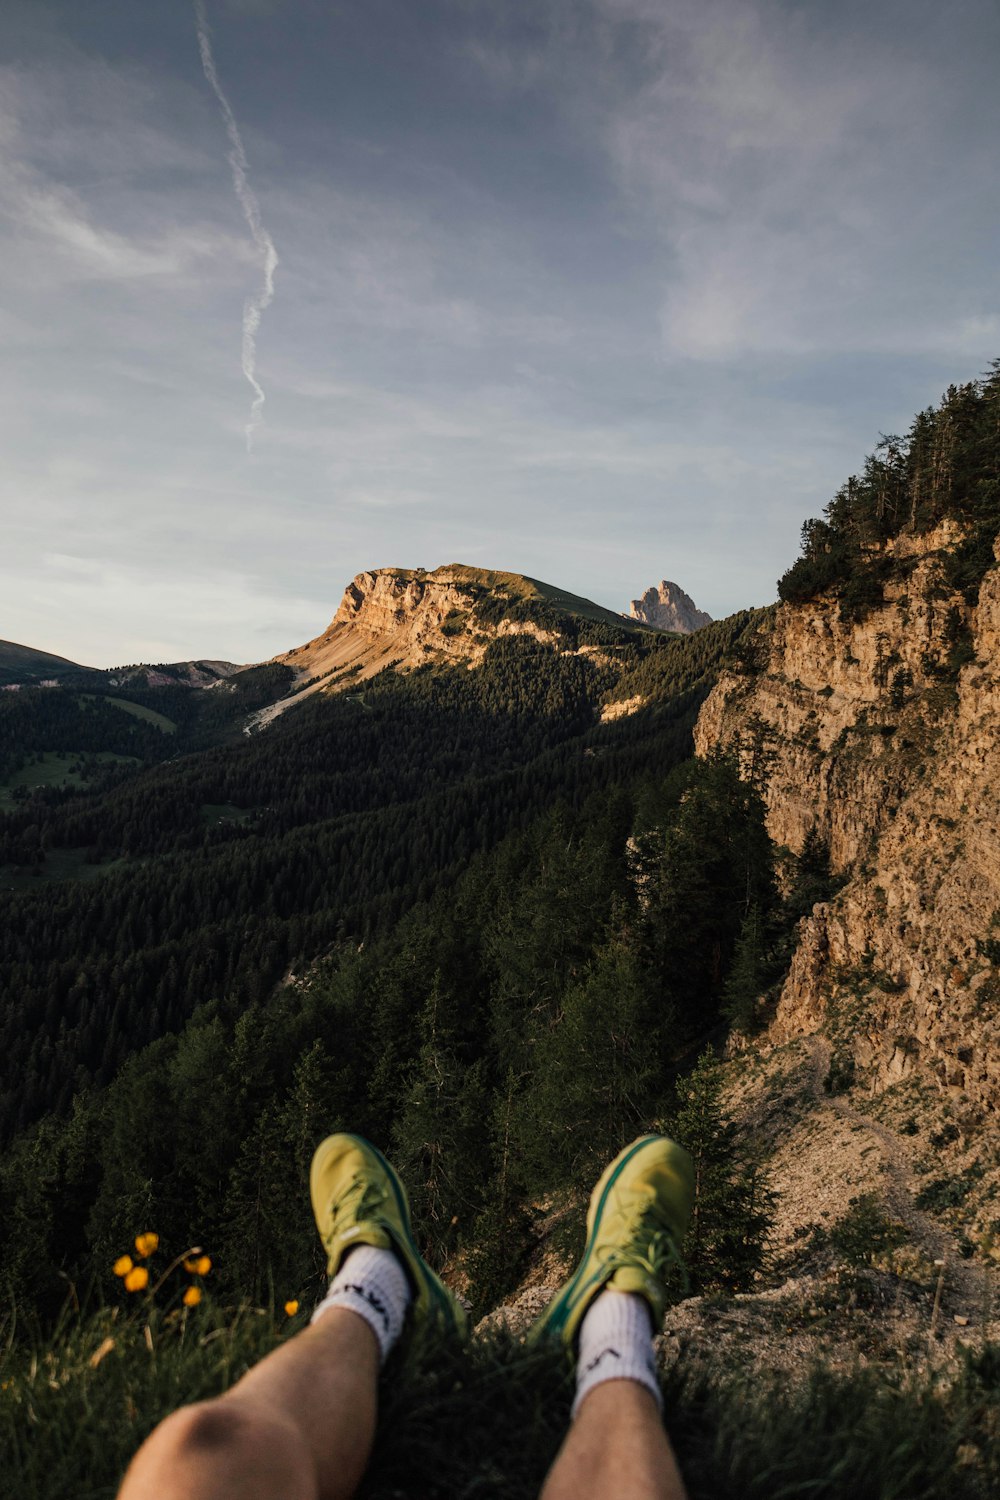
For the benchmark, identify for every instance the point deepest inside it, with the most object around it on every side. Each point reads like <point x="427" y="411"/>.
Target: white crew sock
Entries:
<point x="372" y="1283"/>
<point x="616" y="1343"/>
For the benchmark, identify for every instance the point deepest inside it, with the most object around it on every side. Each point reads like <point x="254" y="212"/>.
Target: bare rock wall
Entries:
<point x="893" y="753"/>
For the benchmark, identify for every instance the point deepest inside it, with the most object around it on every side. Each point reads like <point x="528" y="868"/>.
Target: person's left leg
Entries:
<point x="300" y="1425"/>
<point x="604" y="1316"/>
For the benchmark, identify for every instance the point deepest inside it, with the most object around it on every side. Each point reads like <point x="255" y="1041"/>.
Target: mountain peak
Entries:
<point x="668" y="607"/>
<point x="404" y="618"/>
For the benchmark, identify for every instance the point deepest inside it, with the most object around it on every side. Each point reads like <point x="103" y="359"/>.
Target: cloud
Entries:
<point x="792" y="172"/>
<point x="98" y="252"/>
<point x="257" y="303"/>
<point x="116" y="228"/>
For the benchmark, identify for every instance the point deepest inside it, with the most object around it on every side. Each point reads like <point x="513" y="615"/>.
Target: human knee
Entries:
<point x="223" y="1429"/>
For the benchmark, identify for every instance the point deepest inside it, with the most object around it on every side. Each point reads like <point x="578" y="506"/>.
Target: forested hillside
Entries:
<point x="486" y="868"/>
<point x="482" y="915"/>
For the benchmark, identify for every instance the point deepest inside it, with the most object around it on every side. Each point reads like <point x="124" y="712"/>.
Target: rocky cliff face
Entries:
<point x="667" y="607"/>
<point x="414" y="609"/>
<point x="407" y="617"/>
<point x="424" y="614"/>
<point x="885" y="738"/>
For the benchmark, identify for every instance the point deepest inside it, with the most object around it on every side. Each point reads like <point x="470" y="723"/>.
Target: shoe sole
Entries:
<point x="553" y="1322"/>
<point x="417" y="1270"/>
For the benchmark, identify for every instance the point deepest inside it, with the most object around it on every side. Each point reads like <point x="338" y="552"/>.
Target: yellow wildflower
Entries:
<point x="146" y="1243"/>
<point x="137" y="1279"/>
<point x="203" y="1265"/>
<point x="291" y="1308"/>
<point x="122" y="1265"/>
<point x="192" y="1296"/>
<point x="190" y="1264"/>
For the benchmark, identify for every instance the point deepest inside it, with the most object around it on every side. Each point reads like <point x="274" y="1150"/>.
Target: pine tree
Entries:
<point x="745" y="979"/>
<point x="439" y="1145"/>
<point x="726" y="1245"/>
<point x="716" y="864"/>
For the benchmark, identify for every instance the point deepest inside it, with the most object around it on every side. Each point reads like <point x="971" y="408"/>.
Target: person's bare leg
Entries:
<point x="616" y="1449"/>
<point x="298" y="1426"/>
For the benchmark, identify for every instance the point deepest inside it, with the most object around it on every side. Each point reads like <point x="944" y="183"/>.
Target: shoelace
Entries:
<point x="360" y="1200"/>
<point x="652" y="1250"/>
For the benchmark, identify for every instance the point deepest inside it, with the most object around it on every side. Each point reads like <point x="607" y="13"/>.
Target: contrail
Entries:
<point x="254" y="306"/>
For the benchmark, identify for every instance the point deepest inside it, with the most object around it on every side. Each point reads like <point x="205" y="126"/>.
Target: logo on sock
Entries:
<point x="374" y="1301"/>
<point x="614" y="1354"/>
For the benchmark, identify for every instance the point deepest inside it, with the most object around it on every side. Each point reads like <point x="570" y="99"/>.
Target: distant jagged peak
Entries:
<point x="668" y="607"/>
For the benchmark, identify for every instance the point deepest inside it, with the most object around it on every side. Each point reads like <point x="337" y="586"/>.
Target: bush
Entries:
<point x="942" y="1193"/>
<point x="840" y="1074"/>
<point x="968" y="563"/>
<point x="726" y="1245"/>
<point x="866" y="1231"/>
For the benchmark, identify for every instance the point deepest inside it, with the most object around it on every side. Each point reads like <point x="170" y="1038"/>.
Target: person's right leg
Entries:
<point x="616" y="1448"/>
<point x="298" y="1426"/>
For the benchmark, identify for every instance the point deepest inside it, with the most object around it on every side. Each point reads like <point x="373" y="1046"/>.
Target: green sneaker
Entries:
<point x="358" y="1200"/>
<point x="638" y="1214"/>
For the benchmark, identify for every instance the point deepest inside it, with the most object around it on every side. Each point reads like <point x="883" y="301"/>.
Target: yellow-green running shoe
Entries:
<point x="638" y="1214"/>
<point x="358" y="1200"/>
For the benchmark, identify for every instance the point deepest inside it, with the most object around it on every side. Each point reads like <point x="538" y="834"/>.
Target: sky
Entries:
<point x="600" y="291"/>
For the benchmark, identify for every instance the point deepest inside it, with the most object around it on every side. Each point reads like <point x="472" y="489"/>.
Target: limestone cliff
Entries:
<point x="887" y="743"/>
<point x="405" y="618"/>
<point x="667" y="607"/>
<point x="426" y="614"/>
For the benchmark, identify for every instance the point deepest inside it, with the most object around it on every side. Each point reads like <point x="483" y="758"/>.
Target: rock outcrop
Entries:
<point x="668" y="608"/>
<point x="884" y="736"/>
<point x="405" y="618"/>
<point x="418" y="613"/>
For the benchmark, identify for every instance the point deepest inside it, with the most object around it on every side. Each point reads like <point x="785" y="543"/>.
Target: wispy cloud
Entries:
<point x="792" y="169"/>
<point x="254" y="306"/>
<point x="98" y="252"/>
<point x="54" y="232"/>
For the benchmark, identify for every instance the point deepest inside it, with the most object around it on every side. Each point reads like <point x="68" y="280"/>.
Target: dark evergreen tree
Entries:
<point x="726" y="1245"/>
<point x="597" y="1070"/>
<point x="438" y="1140"/>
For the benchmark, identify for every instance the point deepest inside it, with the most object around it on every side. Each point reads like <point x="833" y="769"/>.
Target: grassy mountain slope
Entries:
<point x="20" y="662"/>
<point x="519" y="586"/>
